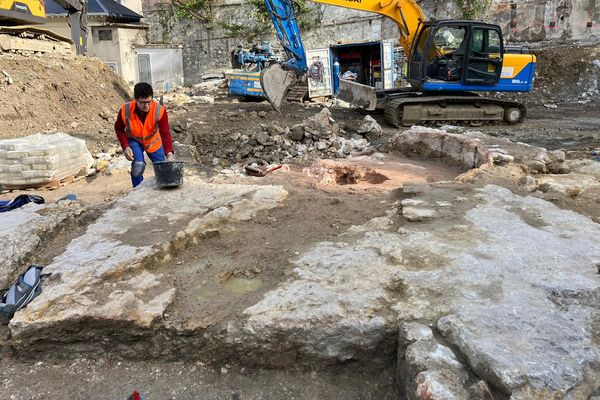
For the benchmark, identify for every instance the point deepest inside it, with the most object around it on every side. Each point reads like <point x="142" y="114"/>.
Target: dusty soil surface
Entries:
<point x="223" y="275"/>
<point x="573" y="128"/>
<point x="76" y="95"/>
<point x="105" y="378"/>
<point x="94" y="190"/>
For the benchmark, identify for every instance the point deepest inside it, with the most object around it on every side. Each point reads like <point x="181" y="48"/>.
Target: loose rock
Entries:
<point x="370" y="129"/>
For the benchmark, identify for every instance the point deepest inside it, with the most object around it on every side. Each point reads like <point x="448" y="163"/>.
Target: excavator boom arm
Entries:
<point x="77" y="10"/>
<point x="406" y="13"/>
<point x="285" y="23"/>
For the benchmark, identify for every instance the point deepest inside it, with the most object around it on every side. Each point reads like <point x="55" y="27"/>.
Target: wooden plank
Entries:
<point x="297" y="93"/>
<point x="52" y="185"/>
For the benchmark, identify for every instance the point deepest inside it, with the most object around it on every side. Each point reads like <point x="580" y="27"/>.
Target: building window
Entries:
<point x="104" y="34"/>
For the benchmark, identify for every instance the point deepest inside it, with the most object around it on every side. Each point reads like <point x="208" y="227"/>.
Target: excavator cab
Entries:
<point x="455" y="56"/>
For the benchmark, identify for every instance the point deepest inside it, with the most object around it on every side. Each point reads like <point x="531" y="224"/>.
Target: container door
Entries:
<point x="319" y="73"/>
<point x="387" y="50"/>
<point x="144" y="68"/>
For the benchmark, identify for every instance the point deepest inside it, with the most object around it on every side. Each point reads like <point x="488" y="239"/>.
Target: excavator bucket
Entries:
<point x="362" y="96"/>
<point x="275" y="82"/>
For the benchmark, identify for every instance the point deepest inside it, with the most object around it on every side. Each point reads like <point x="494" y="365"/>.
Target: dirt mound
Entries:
<point x="567" y="74"/>
<point x="79" y="96"/>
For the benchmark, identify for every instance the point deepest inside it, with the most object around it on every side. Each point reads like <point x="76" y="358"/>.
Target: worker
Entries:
<point x="143" y="125"/>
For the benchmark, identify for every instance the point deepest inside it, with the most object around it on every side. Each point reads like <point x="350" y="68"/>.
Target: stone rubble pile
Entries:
<point x="111" y="161"/>
<point x="39" y="159"/>
<point x="202" y="93"/>
<point x="318" y="136"/>
<point x="589" y="82"/>
<point x="370" y="129"/>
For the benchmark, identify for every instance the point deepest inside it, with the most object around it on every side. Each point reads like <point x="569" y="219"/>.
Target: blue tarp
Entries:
<point x="20" y="201"/>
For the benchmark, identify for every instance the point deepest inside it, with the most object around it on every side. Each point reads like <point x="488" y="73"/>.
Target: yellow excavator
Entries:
<point x="19" y="31"/>
<point x="449" y="61"/>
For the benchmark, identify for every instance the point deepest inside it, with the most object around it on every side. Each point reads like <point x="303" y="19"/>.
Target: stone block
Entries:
<point x="17" y="154"/>
<point x="43" y="158"/>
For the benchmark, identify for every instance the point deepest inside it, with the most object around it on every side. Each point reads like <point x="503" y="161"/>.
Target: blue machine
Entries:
<point x="336" y="76"/>
<point x="257" y="58"/>
<point x="245" y="83"/>
<point x="244" y="80"/>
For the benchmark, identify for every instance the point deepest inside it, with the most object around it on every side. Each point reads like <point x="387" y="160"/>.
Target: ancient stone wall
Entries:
<point x="207" y="47"/>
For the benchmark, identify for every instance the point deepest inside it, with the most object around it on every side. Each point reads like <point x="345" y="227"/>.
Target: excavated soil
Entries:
<point x="567" y="74"/>
<point x="76" y="95"/>
<point x="106" y="378"/>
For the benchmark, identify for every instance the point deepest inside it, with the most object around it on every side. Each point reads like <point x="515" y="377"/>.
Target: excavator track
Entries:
<point x="413" y="108"/>
<point x="33" y="39"/>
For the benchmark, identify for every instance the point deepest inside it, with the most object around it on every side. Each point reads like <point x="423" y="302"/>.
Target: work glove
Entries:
<point x="128" y="153"/>
<point x="170" y="156"/>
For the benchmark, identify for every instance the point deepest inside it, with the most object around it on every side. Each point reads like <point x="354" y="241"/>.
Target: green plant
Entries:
<point x="164" y="19"/>
<point x="473" y="9"/>
<point x="201" y="10"/>
<point x="261" y="20"/>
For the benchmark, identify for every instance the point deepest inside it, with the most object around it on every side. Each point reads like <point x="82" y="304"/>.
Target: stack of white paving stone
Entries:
<point x="41" y="159"/>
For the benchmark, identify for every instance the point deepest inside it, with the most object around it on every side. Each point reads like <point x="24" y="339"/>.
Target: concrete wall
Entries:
<point x="128" y="39"/>
<point x="166" y="67"/>
<point x="521" y="21"/>
<point x="107" y="50"/>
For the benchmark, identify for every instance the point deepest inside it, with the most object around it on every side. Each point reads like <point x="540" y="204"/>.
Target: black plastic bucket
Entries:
<point x="168" y="174"/>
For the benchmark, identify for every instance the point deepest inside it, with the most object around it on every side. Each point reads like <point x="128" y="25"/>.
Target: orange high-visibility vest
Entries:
<point x="147" y="133"/>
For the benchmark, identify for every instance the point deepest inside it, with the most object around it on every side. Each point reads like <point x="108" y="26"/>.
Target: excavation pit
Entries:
<point x="379" y="171"/>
